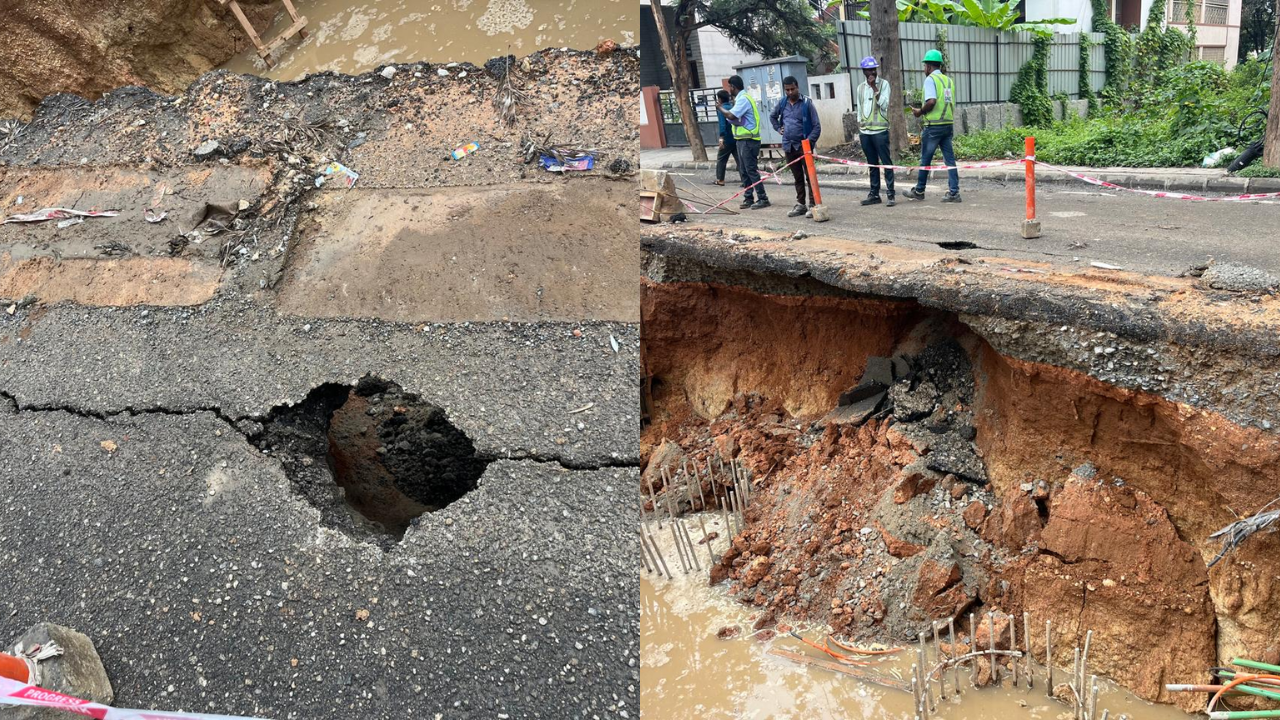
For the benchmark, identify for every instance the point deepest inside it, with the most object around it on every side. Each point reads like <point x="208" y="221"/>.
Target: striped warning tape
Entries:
<point x="13" y="692"/>
<point x="930" y="168"/>
<point x="1160" y="193"/>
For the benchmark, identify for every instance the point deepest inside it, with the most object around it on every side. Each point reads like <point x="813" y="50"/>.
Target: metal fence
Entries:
<point x="983" y="63"/>
<point x="704" y="107"/>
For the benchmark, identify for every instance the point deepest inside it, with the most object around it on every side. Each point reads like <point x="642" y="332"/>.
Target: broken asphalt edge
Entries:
<point x="1009" y="312"/>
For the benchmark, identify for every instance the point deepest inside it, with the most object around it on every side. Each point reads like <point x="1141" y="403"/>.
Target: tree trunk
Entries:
<point x="1271" y="142"/>
<point x="675" y="55"/>
<point x="886" y="49"/>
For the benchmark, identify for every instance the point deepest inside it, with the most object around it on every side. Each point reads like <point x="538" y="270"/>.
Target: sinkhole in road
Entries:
<point x="371" y="457"/>
<point x="909" y="463"/>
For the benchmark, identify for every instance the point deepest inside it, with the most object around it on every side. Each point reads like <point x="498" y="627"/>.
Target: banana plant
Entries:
<point x="994" y="14"/>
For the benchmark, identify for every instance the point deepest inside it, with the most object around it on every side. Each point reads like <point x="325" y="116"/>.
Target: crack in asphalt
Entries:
<point x="232" y="422"/>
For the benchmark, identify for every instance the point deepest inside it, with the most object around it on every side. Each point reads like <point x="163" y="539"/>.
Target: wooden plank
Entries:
<point x="287" y="33"/>
<point x="876" y="678"/>
<point x="248" y="27"/>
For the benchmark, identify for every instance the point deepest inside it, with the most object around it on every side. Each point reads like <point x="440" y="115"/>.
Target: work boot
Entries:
<point x="871" y="199"/>
<point x="891" y="202"/>
<point x="951" y="197"/>
<point x="746" y="204"/>
<point x="761" y="204"/>
<point x="796" y="211"/>
<point x="914" y="194"/>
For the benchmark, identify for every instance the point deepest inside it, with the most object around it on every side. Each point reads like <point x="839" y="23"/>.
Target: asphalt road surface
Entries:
<point x="1079" y="223"/>
<point x="134" y="509"/>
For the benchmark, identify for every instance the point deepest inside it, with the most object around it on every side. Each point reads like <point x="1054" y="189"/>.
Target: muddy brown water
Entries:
<point x="354" y="38"/>
<point x="686" y="671"/>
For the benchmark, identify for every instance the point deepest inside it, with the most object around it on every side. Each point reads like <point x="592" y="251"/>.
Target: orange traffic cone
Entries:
<point x="14" y="668"/>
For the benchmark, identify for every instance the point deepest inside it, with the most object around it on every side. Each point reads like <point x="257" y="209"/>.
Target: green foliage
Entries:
<point x="1257" y="26"/>
<point x="1031" y="90"/>
<point x="1118" y="47"/>
<point x="1086" y="88"/>
<point x="1190" y="18"/>
<point x="940" y="39"/>
<point x="1188" y="112"/>
<point x="772" y="28"/>
<point x="1158" y="47"/>
<point x="994" y="14"/>
<point x="1259" y="170"/>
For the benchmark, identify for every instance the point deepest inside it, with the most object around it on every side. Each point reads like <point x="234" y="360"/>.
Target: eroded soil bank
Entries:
<point x="976" y="479"/>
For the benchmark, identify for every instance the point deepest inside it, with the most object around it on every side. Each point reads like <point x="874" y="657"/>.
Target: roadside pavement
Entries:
<point x="1188" y="180"/>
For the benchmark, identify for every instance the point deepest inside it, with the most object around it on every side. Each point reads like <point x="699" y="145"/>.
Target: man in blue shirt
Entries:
<point x="728" y="146"/>
<point x="797" y="120"/>
<point x="744" y="116"/>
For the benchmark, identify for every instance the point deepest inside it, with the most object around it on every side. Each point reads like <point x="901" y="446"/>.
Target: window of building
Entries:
<point x="1214" y="54"/>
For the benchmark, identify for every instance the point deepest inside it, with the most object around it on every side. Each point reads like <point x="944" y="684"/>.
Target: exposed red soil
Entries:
<point x="843" y="528"/>
<point x="708" y="343"/>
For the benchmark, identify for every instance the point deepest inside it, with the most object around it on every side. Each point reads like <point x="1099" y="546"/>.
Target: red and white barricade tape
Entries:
<point x="1160" y="193"/>
<point x="13" y="692"/>
<point x="930" y="168"/>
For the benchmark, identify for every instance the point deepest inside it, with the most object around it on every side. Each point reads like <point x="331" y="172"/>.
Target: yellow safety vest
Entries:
<point x="740" y="132"/>
<point x="944" y="109"/>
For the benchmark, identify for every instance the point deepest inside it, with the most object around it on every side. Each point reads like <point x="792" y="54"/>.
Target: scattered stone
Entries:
<point x="206" y="149"/>
<point x="975" y="514"/>
<point x="728" y="632"/>
<point x="1239" y="278"/>
<point x="388" y="72"/>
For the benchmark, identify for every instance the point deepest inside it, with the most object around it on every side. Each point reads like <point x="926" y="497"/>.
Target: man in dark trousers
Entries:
<point x="744" y="116"/>
<point x="873" y="128"/>
<point x="797" y="119"/>
<point x="728" y="146"/>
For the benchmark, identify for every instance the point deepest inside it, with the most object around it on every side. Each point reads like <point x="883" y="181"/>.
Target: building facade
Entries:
<point x="1217" y="21"/>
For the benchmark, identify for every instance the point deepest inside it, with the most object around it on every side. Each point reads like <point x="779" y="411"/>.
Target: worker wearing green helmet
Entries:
<point x="936" y="115"/>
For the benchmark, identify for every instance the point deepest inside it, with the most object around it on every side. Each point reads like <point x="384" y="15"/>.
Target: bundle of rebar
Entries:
<point x="1238" y="531"/>
<point x="730" y="492"/>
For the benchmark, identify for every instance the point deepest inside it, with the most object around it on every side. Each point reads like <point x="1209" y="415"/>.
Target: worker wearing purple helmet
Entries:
<point x="873" y="128"/>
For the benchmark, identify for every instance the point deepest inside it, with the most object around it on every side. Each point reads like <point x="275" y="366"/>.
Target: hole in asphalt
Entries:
<point x="957" y="245"/>
<point x="372" y="458"/>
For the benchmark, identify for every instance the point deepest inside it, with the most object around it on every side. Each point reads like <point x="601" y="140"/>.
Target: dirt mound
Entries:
<point x="88" y="48"/>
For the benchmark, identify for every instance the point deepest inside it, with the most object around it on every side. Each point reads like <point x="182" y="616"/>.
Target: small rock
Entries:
<point x="207" y="148"/>
<point x="728" y="632"/>
<point x="388" y="72"/>
<point x="78" y="671"/>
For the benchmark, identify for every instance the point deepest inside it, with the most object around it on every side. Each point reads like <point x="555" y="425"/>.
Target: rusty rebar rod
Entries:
<point x="657" y="551"/>
<point x="973" y="645"/>
<point x="675" y="537"/>
<point x="1026" y="636"/>
<point x="991" y="645"/>
<point x="1048" y="657"/>
<point x="1013" y="645"/>
<point x="951" y="633"/>
<point x="942" y="676"/>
